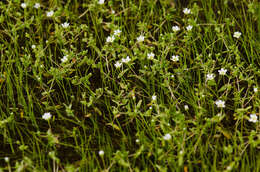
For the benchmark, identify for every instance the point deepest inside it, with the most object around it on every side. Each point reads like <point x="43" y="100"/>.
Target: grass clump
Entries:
<point x="129" y="85"/>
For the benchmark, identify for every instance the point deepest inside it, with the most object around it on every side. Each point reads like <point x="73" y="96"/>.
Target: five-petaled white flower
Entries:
<point x="126" y="60"/>
<point x="23" y="5"/>
<point x="111" y="38"/>
<point x="150" y="55"/>
<point x="237" y="35"/>
<point x="46" y="116"/>
<point x="186" y="11"/>
<point x="167" y="137"/>
<point x="118" y="64"/>
<point x="253" y="118"/>
<point x="186" y="107"/>
<point x="175" y="58"/>
<point x="188" y="28"/>
<point x="101" y="2"/>
<point x="33" y="46"/>
<point x="210" y="76"/>
<point x="255" y="89"/>
<point x="101" y="153"/>
<point x="222" y="71"/>
<point x="154" y="97"/>
<point x="220" y="103"/>
<point x="140" y="38"/>
<point x="117" y="32"/>
<point x="65" y="25"/>
<point x="137" y="140"/>
<point x="175" y="28"/>
<point x="64" y="59"/>
<point x="49" y="13"/>
<point x="37" y="5"/>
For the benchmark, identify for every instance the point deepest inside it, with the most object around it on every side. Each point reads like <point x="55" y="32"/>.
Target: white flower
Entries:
<point x="255" y="89"/>
<point x="65" y="25"/>
<point x="210" y="76"/>
<point x="49" y="13"/>
<point x="186" y="107"/>
<point x="140" y="38"/>
<point x="23" y="5"/>
<point x="46" y="116"/>
<point x="101" y="2"/>
<point x="154" y="97"/>
<point x="237" y="35"/>
<point x="175" y="28"/>
<point x="167" y="137"/>
<point x="117" y="32"/>
<point x="118" y="64"/>
<point x="150" y="55"/>
<point x="126" y="60"/>
<point x="37" y="5"/>
<point x="6" y="159"/>
<point x="253" y="118"/>
<point x="229" y="168"/>
<point x="220" y="103"/>
<point x="175" y="58"/>
<point x="219" y="115"/>
<point x="186" y="11"/>
<point x="113" y="11"/>
<point x="33" y="46"/>
<point x="101" y="153"/>
<point x="189" y="28"/>
<point x="110" y="38"/>
<point x="222" y="71"/>
<point x="137" y="140"/>
<point x="64" y="59"/>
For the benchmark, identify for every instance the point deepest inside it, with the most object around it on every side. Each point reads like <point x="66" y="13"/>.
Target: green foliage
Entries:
<point x="129" y="85"/>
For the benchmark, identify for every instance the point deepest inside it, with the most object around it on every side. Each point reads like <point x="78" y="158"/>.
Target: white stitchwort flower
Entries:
<point x="101" y="2"/>
<point x="237" y="35"/>
<point x="255" y="89"/>
<point x="126" y="60"/>
<point x="23" y="5"/>
<point x="167" y="137"/>
<point x="46" y="116"/>
<point x="175" y="28"/>
<point x="186" y="107"/>
<point x="37" y="5"/>
<point x="186" y="11"/>
<point x="118" y="64"/>
<point x="150" y="55"/>
<point x="220" y="103"/>
<point x="154" y="97"/>
<point x="188" y="28"/>
<point x="222" y="71"/>
<point x="140" y="38"/>
<point x="33" y="46"/>
<point x="117" y="32"/>
<point x="65" y="25"/>
<point x="6" y="159"/>
<point x="101" y="153"/>
<point x="253" y="118"/>
<point x="64" y="59"/>
<point x="111" y="38"/>
<point x="49" y="13"/>
<point x="210" y="76"/>
<point x="175" y="58"/>
<point x="137" y="140"/>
